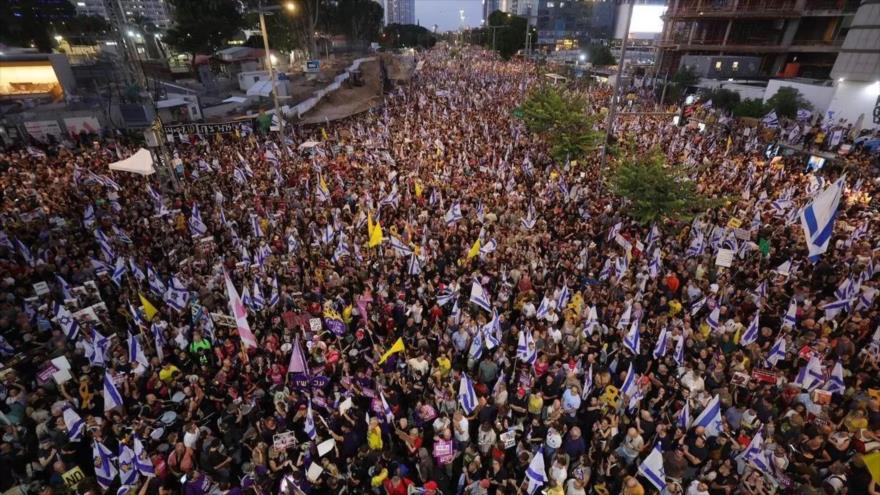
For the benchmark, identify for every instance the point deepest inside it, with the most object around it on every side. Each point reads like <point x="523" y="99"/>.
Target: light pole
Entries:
<point x="613" y="106"/>
<point x="495" y="30"/>
<point x="262" y="10"/>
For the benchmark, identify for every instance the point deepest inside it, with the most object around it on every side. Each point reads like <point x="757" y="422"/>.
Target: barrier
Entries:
<point x="310" y="103"/>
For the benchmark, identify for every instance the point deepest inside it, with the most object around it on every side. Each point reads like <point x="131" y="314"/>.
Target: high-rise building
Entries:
<point x="729" y="38"/>
<point x="157" y="11"/>
<point x="400" y="12"/>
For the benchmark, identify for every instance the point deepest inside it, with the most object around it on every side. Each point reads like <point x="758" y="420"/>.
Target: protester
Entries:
<point x="425" y="301"/>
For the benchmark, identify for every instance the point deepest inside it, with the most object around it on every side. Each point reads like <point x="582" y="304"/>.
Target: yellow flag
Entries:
<point x="397" y="347"/>
<point x="375" y="236"/>
<point x="149" y="310"/>
<point x="323" y="134"/>
<point x="323" y="184"/>
<point x="475" y="250"/>
<point x="729" y="143"/>
<point x="346" y="314"/>
<point x="370" y="225"/>
<point x="418" y="189"/>
<point x="872" y="462"/>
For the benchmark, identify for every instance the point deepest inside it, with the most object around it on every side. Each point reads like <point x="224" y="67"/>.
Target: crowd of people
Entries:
<point x="419" y="299"/>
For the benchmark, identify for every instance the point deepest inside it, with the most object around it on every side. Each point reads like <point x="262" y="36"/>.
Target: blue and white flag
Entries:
<point x="479" y="297"/>
<point x="136" y="353"/>
<point x="89" y="217"/>
<point x="710" y="418"/>
<point x="697" y="246"/>
<point x="713" y="320"/>
<point x="196" y="226"/>
<point x="106" y="250"/>
<point x="24" y="252"/>
<point x="777" y="352"/>
<point x="684" y="417"/>
<point x="309" y="426"/>
<point x="444" y="296"/>
<point x="274" y="297"/>
<point x="136" y="270"/>
<point x="625" y="318"/>
<point x="158" y="340"/>
<point x="660" y="348"/>
<point x="760" y="293"/>
<point x="630" y="386"/>
<point x="817" y="218"/>
<point x="105" y="470"/>
<point x="525" y="347"/>
<point x="142" y="460"/>
<point x="530" y="219"/>
<point x="632" y="340"/>
<point x="770" y="120"/>
<point x="790" y="318"/>
<point x="128" y="475"/>
<point x="812" y="375"/>
<point x="588" y="382"/>
<point x="386" y="409"/>
<point x="543" y="309"/>
<point x="399" y="246"/>
<point x="480" y="212"/>
<point x="112" y="397"/>
<point x="697" y="306"/>
<point x="177" y="295"/>
<point x="413" y="266"/>
<point x="756" y="455"/>
<point x="257" y="298"/>
<point x="605" y="273"/>
<point x="614" y="231"/>
<point x="155" y="283"/>
<point x="652" y="468"/>
<point x="488" y="248"/>
<point x="750" y="336"/>
<point x="6" y="348"/>
<point x="74" y="424"/>
<point x="118" y="271"/>
<point x="66" y="321"/>
<point x="475" y="351"/>
<point x="492" y="332"/>
<point x="655" y="265"/>
<point x="564" y="296"/>
<point x="653" y="235"/>
<point x="679" y="351"/>
<point x="835" y="383"/>
<point x="592" y="321"/>
<point x="392" y="199"/>
<point x="453" y="214"/>
<point x="327" y="234"/>
<point x="467" y="398"/>
<point x="535" y="473"/>
<point x="65" y="287"/>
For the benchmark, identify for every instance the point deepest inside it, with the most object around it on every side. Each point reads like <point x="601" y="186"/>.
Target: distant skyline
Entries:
<point x="445" y="13"/>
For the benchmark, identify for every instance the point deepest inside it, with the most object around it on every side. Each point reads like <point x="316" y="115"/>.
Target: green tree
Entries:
<point x="510" y="33"/>
<point x="203" y="26"/>
<point x="600" y="55"/>
<point x="750" y="107"/>
<point x="407" y="35"/>
<point x="724" y="99"/>
<point x="684" y="78"/>
<point x="358" y="20"/>
<point x="787" y="101"/>
<point x="655" y="190"/>
<point x="562" y="120"/>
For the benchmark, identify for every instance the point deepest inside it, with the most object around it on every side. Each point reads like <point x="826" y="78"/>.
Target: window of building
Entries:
<point x="735" y="65"/>
<point x="550" y="5"/>
<point x="718" y="65"/>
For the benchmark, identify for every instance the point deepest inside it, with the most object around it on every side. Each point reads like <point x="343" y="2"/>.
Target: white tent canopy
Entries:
<point x="139" y="163"/>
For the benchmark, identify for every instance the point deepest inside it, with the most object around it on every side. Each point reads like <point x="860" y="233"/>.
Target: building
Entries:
<point x="400" y="12"/>
<point x="789" y="37"/>
<point x="157" y="11"/>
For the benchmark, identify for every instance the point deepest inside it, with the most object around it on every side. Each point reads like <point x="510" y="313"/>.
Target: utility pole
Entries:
<point x="609" y="124"/>
<point x="527" y="48"/>
<point x="495" y="30"/>
<point x="663" y="94"/>
<point x="272" y="77"/>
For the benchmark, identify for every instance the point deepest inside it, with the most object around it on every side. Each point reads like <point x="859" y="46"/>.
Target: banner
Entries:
<point x="75" y="125"/>
<point x="241" y="126"/>
<point x="41" y="129"/>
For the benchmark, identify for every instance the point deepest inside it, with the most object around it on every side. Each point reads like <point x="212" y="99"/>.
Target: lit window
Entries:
<point x="561" y="4"/>
<point x="550" y="5"/>
<point x="718" y="65"/>
<point x="735" y="65"/>
<point x="80" y="4"/>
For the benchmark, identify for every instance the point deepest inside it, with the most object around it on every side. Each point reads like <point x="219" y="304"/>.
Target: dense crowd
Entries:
<point x="420" y="299"/>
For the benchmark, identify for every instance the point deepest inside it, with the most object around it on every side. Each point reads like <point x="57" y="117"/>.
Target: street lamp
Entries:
<point x="290" y="7"/>
<point x="270" y="61"/>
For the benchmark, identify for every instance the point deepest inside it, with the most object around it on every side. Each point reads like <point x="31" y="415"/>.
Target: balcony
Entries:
<point x="738" y="9"/>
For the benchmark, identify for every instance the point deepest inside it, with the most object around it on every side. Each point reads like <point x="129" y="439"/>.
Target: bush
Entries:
<point x="787" y="101"/>
<point x="723" y="99"/>
<point x="750" y="107"/>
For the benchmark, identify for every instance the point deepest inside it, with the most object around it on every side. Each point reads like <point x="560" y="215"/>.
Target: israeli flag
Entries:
<point x="488" y="248"/>
<point x="564" y="296"/>
<point x="751" y="334"/>
<point x="255" y="226"/>
<point x="625" y="318"/>
<point x="245" y="255"/>
<point x="106" y="250"/>
<point x="530" y="220"/>
<point x="713" y="319"/>
<point x="817" y="218"/>
<point x="710" y="418"/>
<point x="588" y="383"/>
<point x="655" y="265"/>
<point x="777" y="352"/>
<point x="866" y="299"/>
<point x="697" y="306"/>
<point x="812" y="375"/>
<point x="835" y="383"/>
<point x="525" y="347"/>
<point x="592" y="321"/>
<point x="105" y="471"/>
<point x="479" y="296"/>
<point x="453" y="214"/>
<point x="257" y="299"/>
<point x="274" y="298"/>
<point x="630" y="386"/>
<point x="697" y="246"/>
<point x="142" y="460"/>
<point x="137" y="316"/>
<point x="660" y="348"/>
<point x="445" y="296"/>
<point x="176" y="298"/>
<point x="155" y="283"/>
<point x="135" y="353"/>
<point x="684" y="417"/>
<point x="535" y="473"/>
<point x="6" y="348"/>
<point x="756" y="455"/>
<point x="652" y="468"/>
<point x="327" y="234"/>
<point x="414" y="266"/>
<point x="770" y="120"/>
<point x="292" y="244"/>
<point x="392" y="199"/>
<point x="476" y="349"/>
<point x="246" y="298"/>
<point x="466" y="395"/>
<point x="760" y="293"/>
<point x="66" y="321"/>
<point x="653" y="235"/>
<point x="621" y="265"/>
<point x="491" y="336"/>
<point x="543" y="309"/>
<point x="136" y="270"/>
<point x="480" y="213"/>
<point x="790" y="319"/>
<point x="400" y="247"/>
<point x="632" y="341"/>
<point x="309" y="427"/>
<point x="128" y="475"/>
<point x="65" y="287"/>
<point x="112" y="398"/>
<point x="606" y="270"/>
<point x="89" y="217"/>
<point x="74" y="424"/>
<point x="386" y="409"/>
<point x="196" y="225"/>
<point x="118" y="271"/>
<point x="614" y="231"/>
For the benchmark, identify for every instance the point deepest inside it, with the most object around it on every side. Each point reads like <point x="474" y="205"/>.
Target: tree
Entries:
<point x="510" y="33"/>
<point x="750" y="107"/>
<point x="655" y="191"/>
<point x="562" y="120"/>
<point x="724" y="99"/>
<point x="787" y="101"/>
<point x="684" y="78"/>
<point x="203" y="26"/>
<point x="407" y="35"/>
<point x="358" y="20"/>
<point x="600" y="55"/>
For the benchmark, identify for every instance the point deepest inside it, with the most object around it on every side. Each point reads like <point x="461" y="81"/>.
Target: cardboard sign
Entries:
<point x="509" y="439"/>
<point x="742" y="234"/>
<point x="740" y="379"/>
<point x="821" y="397"/>
<point x="443" y="451"/>
<point x="41" y="288"/>
<point x="724" y="258"/>
<point x="314" y="472"/>
<point x="46" y="373"/>
<point x="282" y="441"/>
<point x="734" y="223"/>
<point x="766" y="376"/>
<point x="223" y="320"/>
<point x="73" y="477"/>
<point x="325" y="447"/>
